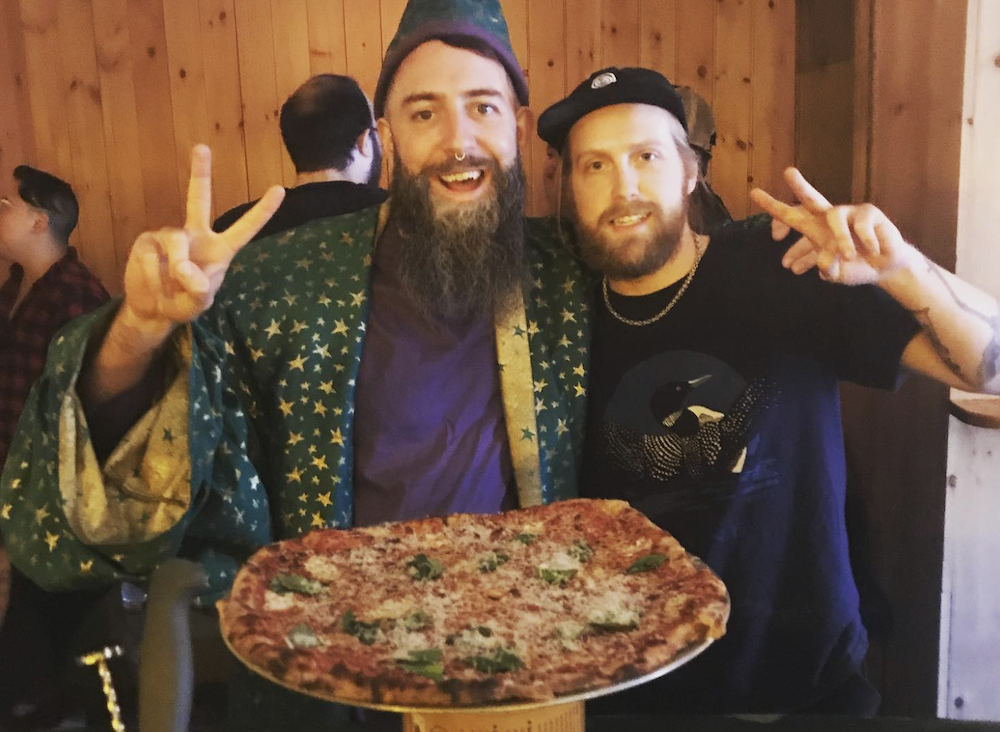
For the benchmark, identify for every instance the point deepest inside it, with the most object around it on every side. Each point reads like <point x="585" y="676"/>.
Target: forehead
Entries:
<point x="619" y="126"/>
<point x="435" y="68"/>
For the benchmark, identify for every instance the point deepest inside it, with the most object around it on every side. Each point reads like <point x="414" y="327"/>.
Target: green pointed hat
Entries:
<point x="425" y="20"/>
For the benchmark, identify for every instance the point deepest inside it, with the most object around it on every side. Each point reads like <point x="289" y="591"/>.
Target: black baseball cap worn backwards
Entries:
<point x="605" y="88"/>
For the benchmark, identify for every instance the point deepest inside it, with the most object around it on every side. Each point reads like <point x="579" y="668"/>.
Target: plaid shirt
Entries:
<point x="66" y="290"/>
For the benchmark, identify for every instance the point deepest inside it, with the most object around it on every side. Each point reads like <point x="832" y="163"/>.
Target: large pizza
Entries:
<point x="473" y="609"/>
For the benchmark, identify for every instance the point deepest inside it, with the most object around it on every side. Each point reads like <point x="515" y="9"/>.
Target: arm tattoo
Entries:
<point x="989" y="364"/>
<point x="924" y="318"/>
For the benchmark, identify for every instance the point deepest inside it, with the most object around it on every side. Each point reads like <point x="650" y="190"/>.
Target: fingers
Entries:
<point x="199" y="199"/>
<point x="863" y="220"/>
<point x="176" y="246"/>
<point x="779" y="230"/>
<point x="811" y="199"/>
<point x="841" y="241"/>
<point x="253" y="220"/>
<point x="802" y="248"/>
<point x="779" y="211"/>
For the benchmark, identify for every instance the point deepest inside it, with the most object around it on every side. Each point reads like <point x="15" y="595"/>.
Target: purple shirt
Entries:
<point x="430" y="435"/>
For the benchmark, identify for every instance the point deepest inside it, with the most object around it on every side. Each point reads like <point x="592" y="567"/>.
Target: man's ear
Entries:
<point x="41" y="223"/>
<point x="364" y="144"/>
<point x="525" y="126"/>
<point x="388" y="145"/>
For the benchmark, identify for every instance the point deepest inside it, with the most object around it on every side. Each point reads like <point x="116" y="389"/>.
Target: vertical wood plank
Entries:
<point x="364" y="43"/>
<point x="224" y="108"/>
<point x="516" y="14"/>
<point x="620" y="37"/>
<point x="254" y="34"/>
<point x="182" y="26"/>
<point x="658" y="23"/>
<point x="85" y="122"/>
<point x="121" y="128"/>
<point x="732" y="104"/>
<point x="695" y="58"/>
<point x="327" y="46"/>
<point x="291" y="59"/>
<point x="391" y="13"/>
<point x="547" y="59"/>
<point x="154" y="112"/>
<point x="773" y="122"/>
<point x="43" y="58"/>
<point x="17" y="139"/>
<point x="863" y="13"/>
<point x="583" y="40"/>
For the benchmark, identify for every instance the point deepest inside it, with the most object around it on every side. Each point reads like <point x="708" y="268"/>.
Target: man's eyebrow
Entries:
<point x="421" y="97"/>
<point x="434" y="96"/>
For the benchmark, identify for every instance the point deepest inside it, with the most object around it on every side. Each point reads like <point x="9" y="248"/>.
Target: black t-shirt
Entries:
<point x="308" y="202"/>
<point x="721" y="422"/>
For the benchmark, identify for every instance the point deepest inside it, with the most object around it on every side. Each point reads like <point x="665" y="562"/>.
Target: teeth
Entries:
<point x="463" y="176"/>
<point x="628" y="220"/>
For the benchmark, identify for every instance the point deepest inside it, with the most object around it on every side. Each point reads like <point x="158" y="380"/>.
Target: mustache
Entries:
<point x="458" y="166"/>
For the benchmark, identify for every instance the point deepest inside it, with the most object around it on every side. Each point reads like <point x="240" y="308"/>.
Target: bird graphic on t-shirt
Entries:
<point x="699" y="442"/>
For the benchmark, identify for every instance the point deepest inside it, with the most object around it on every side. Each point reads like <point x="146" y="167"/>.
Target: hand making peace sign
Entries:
<point x="852" y="245"/>
<point x="172" y="274"/>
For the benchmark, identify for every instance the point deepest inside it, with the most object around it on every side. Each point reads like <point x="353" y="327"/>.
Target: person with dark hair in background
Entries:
<point x="329" y="133"/>
<point x="47" y="287"/>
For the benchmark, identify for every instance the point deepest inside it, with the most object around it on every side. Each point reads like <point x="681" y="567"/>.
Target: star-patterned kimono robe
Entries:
<point x="252" y="439"/>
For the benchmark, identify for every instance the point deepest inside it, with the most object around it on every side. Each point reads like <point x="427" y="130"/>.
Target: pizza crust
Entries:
<point x="548" y="586"/>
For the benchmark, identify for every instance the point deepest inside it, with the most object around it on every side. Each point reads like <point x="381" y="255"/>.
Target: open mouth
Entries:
<point x="463" y="181"/>
<point x="623" y="222"/>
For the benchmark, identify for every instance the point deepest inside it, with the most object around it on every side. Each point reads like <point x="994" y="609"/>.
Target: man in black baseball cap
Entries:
<point x="713" y="393"/>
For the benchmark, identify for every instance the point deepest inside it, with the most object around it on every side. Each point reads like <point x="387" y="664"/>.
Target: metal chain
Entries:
<point x="700" y="251"/>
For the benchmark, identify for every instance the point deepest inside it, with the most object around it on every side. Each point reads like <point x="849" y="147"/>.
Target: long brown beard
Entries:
<point x="466" y="260"/>
<point x="601" y="255"/>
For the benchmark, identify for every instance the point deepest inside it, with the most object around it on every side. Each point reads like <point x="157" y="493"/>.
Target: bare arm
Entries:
<point x="960" y="341"/>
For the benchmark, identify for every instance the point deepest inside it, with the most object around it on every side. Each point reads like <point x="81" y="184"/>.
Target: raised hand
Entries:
<point x="172" y="275"/>
<point x="852" y="245"/>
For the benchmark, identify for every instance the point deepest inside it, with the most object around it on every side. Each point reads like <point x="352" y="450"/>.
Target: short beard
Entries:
<point x="603" y="256"/>
<point x="467" y="259"/>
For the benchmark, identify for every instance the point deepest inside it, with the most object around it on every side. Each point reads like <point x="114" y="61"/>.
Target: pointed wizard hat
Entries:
<point x="425" y="20"/>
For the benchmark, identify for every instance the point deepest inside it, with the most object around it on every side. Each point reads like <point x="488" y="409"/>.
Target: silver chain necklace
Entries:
<point x="699" y="253"/>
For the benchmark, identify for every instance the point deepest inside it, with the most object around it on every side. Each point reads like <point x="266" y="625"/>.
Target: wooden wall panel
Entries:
<point x="121" y="130"/>
<point x="658" y="22"/>
<point x="224" y="104"/>
<point x="170" y="73"/>
<point x="695" y="60"/>
<point x="43" y="57"/>
<point x="547" y="61"/>
<point x="291" y="59"/>
<point x="327" y="48"/>
<point x="17" y="139"/>
<point x="154" y="112"/>
<point x="772" y="128"/>
<point x="254" y="34"/>
<point x="187" y="82"/>
<point x="620" y="33"/>
<point x="732" y="103"/>
<point x="913" y="169"/>
<point x="85" y="125"/>
<point x="364" y="42"/>
<point x="583" y="41"/>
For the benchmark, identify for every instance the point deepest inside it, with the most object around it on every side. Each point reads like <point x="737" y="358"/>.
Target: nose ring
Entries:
<point x="460" y="156"/>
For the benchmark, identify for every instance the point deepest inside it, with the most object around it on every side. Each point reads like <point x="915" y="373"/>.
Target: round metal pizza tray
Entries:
<point x="683" y="657"/>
